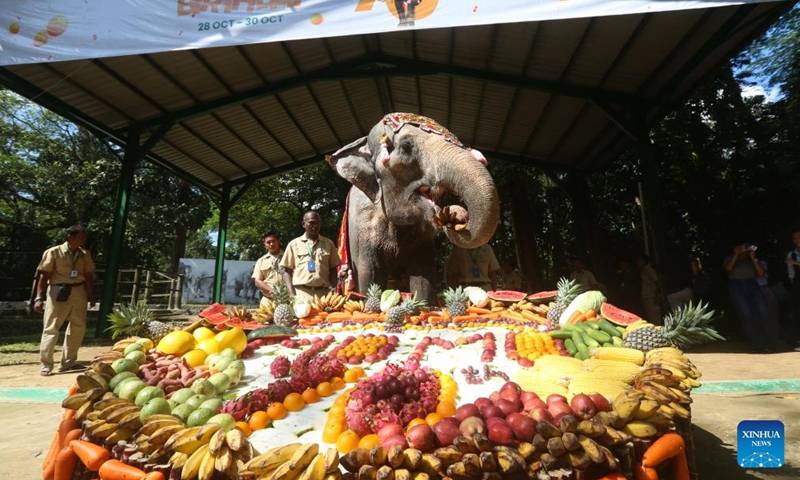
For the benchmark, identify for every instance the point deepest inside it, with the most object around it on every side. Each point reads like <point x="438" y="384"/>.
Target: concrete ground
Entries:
<point x="28" y="426"/>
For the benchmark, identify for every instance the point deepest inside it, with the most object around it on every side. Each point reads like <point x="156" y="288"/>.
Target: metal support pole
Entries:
<point x="652" y="201"/>
<point x="133" y="153"/>
<point x="219" y="267"/>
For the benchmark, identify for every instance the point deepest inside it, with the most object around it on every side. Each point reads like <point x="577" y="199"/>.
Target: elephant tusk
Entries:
<point x="384" y="155"/>
<point x="479" y="156"/>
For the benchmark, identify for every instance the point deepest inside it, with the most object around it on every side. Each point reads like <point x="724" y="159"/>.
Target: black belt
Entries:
<point x="69" y="284"/>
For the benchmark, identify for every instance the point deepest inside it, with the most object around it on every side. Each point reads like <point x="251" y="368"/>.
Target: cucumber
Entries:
<point x="606" y="326"/>
<point x="563" y="334"/>
<point x="589" y="341"/>
<point x="621" y="330"/>
<point x="617" y="341"/>
<point x="601" y="337"/>
<point x="571" y="326"/>
<point x="570" y="346"/>
<point x="577" y="339"/>
<point x="583" y="352"/>
<point x="592" y="324"/>
<point x="608" y="344"/>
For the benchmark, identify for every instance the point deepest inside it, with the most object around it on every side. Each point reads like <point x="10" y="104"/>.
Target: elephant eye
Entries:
<point x="405" y="147"/>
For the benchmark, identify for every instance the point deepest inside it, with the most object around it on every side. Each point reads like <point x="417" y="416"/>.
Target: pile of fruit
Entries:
<point x="584" y="389"/>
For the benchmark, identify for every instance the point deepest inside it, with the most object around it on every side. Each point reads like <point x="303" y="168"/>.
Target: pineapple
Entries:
<point x="397" y="314"/>
<point x="284" y="314"/>
<point x="567" y="291"/>
<point x="373" y="304"/>
<point x="687" y="326"/>
<point x="456" y="301"/>
<point x="136" y="320"/>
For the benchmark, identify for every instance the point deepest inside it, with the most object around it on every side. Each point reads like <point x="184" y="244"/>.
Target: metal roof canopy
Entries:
<point x="564" y="94"/>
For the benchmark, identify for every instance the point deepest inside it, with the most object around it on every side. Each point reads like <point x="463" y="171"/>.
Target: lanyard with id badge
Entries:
<point x="74" y="260"/>
<point x="312" y="266"/>
<point x="476" y="272"/>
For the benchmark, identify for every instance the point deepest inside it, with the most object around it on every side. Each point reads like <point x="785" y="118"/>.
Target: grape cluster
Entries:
<point x="488" y="373"/>
<point x="472" y="375"/>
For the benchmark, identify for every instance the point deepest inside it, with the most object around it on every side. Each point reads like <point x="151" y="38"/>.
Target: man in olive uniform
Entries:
<point x="267" y="271"/>
<point x="310" y="260"/>
<point x="476" y="267"/>
<point x="65" y="267"/>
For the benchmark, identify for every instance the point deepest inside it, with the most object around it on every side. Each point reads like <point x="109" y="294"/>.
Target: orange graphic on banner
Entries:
<point x="423" y="9"/>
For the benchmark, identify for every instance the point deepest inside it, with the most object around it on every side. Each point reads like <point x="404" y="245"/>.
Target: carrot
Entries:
<point x="498" y="309"/>
<point x="645" y="473"/>
<point x="590" y="314"/>
<point x="680" y="466"/>
<point x="666" y="447"/>
<point x="116" y="470"/>
<point x="338" y="317"/>
<point x="49" y="463"/>
<point x="65" y="464"/>
<point x="479" y="310"/>
<point x="68" y="413"/>
<point x="465" y="318"/>
<point x="514" y="316"/>
<point x="577" y="316"/>
<point x="67" y="424"/>
<point x="73" y="434"/>
<point x="93" y="456"/>
<point x="309" y="321"/>
<point x="493" y="316"/>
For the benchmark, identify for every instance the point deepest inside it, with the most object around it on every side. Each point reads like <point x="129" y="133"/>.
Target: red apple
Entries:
<point x="557" y="408"/>
<point x="508" y="407"/>
<point x="541" y="415"/>
<point x="582" y="406"/>
<point x="510" y="395"/>
<point x="601" y="402"/>
<point x="492" y="411"/>
<point x="481" y="402"/>
<point x="511" y="386"/>
<point x="533" y="404"/>
<point x="555" y="397"/>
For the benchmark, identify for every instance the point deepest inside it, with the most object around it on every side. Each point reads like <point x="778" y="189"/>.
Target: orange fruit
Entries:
<point x="294" y="402"/>
<point x="332" y="430"/>
<point x="277" y="411"/>
<point x="310" y="395"/>
<point x="342" y="400"/>
<point x="336" y="411"/>
<point x="347" y="441"/>
<point x="432" y="419"/>
<point x="359" y="370"/>
<point x="259" y="420"/>
<point x="369" y="441"/>
<point x="325" y="389"/>
<point x="446" y="408"/>
<point x="337" y="383"/>
<point x="413" y="423"/>
<point x="243" y="427"/>
<point x="351" y="376"/>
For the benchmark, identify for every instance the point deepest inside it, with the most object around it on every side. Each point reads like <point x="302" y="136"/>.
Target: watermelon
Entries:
<point x="507" y="295"/>
<point x="217" y="318"/>
<point x="617" y="315"/>
<point x="213" y="309"/>
<point x="543" y="296"/>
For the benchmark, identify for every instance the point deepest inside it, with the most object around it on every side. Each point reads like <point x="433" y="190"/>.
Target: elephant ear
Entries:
<point x="353" y="162"/>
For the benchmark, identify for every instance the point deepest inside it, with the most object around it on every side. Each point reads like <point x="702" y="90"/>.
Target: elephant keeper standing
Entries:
<point x="476" y="267"/>
<point x="267" y="271"/>
<point x="310" y="260"/>
<point x="66" y="271"/>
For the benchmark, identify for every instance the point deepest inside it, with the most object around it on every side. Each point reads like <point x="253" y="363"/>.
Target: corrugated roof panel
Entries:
<point x="334" y="102"/>
<point x="309" y="54"/>
<point x="250" y="128"/>
<point x="271" y="113"/>
<point x="224" y="142"/>
<point x="189" y="74"/>
<point x="307" y="114"/>
<point x="404" y="94"/>
<point x="571" y="145"/>
<point x="465" y="108"/>
<point x="399" y="43"/>
<point x="432" y="45"/>
<point x="525" y="116"/>
<point x="346" y="48"/>
<point x="560" y="113"/>
<point x="655" y="44"/>
<point x="473" y="46"/>
<point x="186" y="164"/>
<point x="364" y="95"/>
<point x="513" y="47"/>
<point x="188" y="145"/>
<point x="492" y="116"/>
<point x="231" y="65"/>
<point x="271" y="59"/>
<point x="600" y="47"/>
<point x="435" y="95"/>
<point x="147" y="79"/>
<point x="555" y="44"/>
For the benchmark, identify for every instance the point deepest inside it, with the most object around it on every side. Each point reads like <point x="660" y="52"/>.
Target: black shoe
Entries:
<point x="75" y="367"/>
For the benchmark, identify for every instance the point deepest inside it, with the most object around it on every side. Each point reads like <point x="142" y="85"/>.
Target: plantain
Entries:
<point x="488" y="462"/>
<point x="448" y="455"/>
<point x="647" y="407"/>
<point x="161" y="416"/>
<point x="570" y="441"/>
<point x="217" y="441"/>
<point x="131" y="421"/>
<point x="103" y="369"/>
<point x="432" y="465"/>
<point x="592" y="449"/>
<point x="402" y="474"/>
<point x="161" y="435"/>
<point x="316" y="468"/>
<point x="555" y="446"/>
<point x="613" y="438"/>
<point x="640" y="429"/>
<point x="527" y="450"/>
<point x="105" y="430"/>
<point x="367" y="472"/>
<point x="682" y="397"/>
<point x="411" y="458"/>
<point x="465" y="445"/>
<point x="207" y="431"/>
<point x="663" y="392"/>
<point x="207" y="469"/>
<point x="101" y="405"/>
<point x="299" y="461"/>
<point x="509" y="460"/>
<point x="182" y="436"/>
<point x="332" y="458"/>
<point x="83" y="412"/>
<point x="75" y="401"/>
<point x="120" y="434"/>
<point x="579" y="459"/>
<point x="626" y="404"/>
<point x="353" y="460"/>
<point x="661" y="420"/>
<point x="549" y="462"/>
<point x="152" y="427"/>
<point x="86" y="383"/>
<point x="118" y="414"/>
<point x="547" y="430"/>
<point x="377" y="456"/>
<point x="235" y="440"/>
<point x="680" y="410"/>
<point x="394" y="457"/>
<point x="591" y="428"/>
<point x="223" y="459"/>
<point x="178" y="460"/>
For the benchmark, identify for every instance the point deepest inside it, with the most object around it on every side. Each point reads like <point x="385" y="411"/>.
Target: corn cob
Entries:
<point x="588" y="382"/>
<point x="531" y="381"/>
<point x="618" y="353"/>
<point x="548" y="365"/>
<point x="624" y="372"/>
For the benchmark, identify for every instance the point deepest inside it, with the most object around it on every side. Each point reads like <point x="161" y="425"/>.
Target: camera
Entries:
<point x="752" y="248"/>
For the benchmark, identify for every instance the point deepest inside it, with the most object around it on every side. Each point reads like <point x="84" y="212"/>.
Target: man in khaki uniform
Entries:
<point x="476" y="267"/>
<point x="267" y="271"/>
<point x="310" y="260"/>
<point x="65" y="265"/>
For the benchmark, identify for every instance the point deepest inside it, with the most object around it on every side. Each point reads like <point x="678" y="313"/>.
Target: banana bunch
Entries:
<point x="265" y="312"/>
<point x="354" y="306"/>
<point x="579" y="444"/>
<point x="111" y="420"/>
<point x="238" y="312"/>
<point x="202" y="451"/>
<point x="302" y="461"/>
<point x="92" y="387"/>
<point x="521" y="306"/>
<point x="108" y="356"/>
<point x="639" y="415"/>
<point x="542" y="308"/>
<point x="329" y="302"/>
<point x="155" y="431"/>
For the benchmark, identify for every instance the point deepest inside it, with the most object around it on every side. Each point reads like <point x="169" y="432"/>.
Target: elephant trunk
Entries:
<point x="458" y="172"/>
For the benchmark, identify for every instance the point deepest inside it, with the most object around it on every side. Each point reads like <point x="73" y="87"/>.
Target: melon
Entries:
<point x="507" y="295"/>
<point x="617" y="315"/>
<point x="543" y="296"/>
<point x="212" y="309"/>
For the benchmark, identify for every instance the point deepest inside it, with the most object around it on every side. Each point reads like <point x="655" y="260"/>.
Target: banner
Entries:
<point x="198" y="282"/>
<point x="56" y="30"/>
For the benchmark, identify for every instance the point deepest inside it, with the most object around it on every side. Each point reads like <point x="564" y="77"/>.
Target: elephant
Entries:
<point x="403" y="174"/>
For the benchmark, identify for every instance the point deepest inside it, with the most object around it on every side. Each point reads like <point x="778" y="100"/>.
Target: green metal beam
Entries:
<point x="222" y="232"/>
<point x="133" y="153"/>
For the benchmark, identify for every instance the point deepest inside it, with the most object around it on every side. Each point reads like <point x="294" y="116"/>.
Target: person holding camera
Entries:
<point x="743" y="269"/>
<point x="66" y="273"/>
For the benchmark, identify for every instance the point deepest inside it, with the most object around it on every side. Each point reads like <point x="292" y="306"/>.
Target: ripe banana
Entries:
<point x="119" y="413"/>
<point x="193" y="463"/>
<point x="223" y="459"/>
<point x="75" y="401"/>
<point x="665" y="351"/>
<point x="161" y="435"/>
<point x="680" y="410"/>
<point x="271" y="459"/>
<point x="300" y="460"/>
<point x="640" y="429"/>
<point x="626" y="404"/>
<point x="332" y="460"/>
<point x="183" y="436"/>
<point x="178" y="460"/>
<point x="217" y="441"/>
<point x="235" y="440"/>
<point x="647" y="407"/>
<point x="315" y="469"/>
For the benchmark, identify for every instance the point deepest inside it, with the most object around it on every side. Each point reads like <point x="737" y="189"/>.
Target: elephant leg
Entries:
<point x="422" y="273"/>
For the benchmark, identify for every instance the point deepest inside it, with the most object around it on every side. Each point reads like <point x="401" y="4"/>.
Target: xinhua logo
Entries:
<point x="760" y="444"/>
